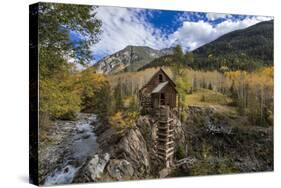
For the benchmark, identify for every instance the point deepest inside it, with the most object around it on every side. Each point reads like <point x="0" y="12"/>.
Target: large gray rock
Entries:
<point x="129" y="145"/>
<point x="148" y="128"/>
<point x="97" y="165"/>
<point x="133" y="148"/>
<point x="164" y="172"/>
<point x="120" y="169"/>
<point x="179" y="134"/>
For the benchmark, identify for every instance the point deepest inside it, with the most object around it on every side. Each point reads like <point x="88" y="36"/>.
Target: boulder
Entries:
<point x="129" y="145"/>
<point x="164" y="172"/>
<point x="132" y="147"/>
<point x="120" y="169"/>
<point x="179" y="134"/>
<point x="97" y="165"/>
<point x="148" y="128"/>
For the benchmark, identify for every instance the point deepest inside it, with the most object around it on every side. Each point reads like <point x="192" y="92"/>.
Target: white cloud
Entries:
<point x="195" y="34"/>
<point x="122" y="27"/>
<point x="213" y="16"/>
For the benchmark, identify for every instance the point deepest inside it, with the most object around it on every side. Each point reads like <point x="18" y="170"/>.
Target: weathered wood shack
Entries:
<point x="160" y="90"/>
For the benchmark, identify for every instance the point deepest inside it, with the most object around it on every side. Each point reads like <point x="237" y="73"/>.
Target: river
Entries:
<point x="77" y="147"/>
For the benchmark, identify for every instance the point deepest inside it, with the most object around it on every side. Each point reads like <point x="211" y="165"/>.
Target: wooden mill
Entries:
<point x="159" y="98"/>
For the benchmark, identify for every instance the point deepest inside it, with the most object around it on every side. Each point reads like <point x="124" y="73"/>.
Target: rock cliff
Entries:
<point x="215" y="143"/>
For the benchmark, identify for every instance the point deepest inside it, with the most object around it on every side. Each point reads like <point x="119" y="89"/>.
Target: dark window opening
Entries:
<point x="162" y="99"/>
<point x="160" y="78"/>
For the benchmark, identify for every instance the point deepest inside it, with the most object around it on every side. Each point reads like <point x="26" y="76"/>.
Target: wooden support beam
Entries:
<point x="165" y="134"/>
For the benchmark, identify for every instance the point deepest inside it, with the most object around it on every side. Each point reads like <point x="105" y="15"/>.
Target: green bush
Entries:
<point x="180" y="153"/>
<point x="213" y="166"/>
<point x="123" y="120"/>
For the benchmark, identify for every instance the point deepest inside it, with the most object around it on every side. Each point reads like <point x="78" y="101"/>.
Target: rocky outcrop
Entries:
<point x="130" y="58"/>
<point x="148" y="128"/>
<point x="120" y="169"/>
<point x="96" y="166"/>
<point x="127" y="156"/>
<point x="179" y="135"/>
<point x="133" y="148"/>
<point x="128" y="144"/>
<point x="132" y="152"/>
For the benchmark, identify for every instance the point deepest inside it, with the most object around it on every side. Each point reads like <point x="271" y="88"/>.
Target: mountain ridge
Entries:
<point x="243" y="49"/>
<point x="130" y="58"/>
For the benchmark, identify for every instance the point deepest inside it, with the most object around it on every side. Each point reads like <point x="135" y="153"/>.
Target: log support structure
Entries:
<point x="165" y="136"/>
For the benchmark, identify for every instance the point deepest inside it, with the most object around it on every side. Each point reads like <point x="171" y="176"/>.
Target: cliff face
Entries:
<point x="126" y="155"/>
<point x="130" y="58"/>
<point x="122" y="155"/>
<point x="217" y="142"/>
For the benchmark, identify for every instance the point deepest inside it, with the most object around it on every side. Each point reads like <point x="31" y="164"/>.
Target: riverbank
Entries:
<point x="69" y="145"/>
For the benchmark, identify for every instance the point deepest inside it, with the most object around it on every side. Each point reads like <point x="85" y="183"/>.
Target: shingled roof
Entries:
<point x="159" y="87"/>
<point x="160" y="70"/>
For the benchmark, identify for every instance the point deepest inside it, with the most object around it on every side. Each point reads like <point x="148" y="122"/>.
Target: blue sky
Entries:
<point x="162" y="29"/>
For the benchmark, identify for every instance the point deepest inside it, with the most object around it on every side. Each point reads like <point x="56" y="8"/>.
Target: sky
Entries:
<point x="160" y="29"/>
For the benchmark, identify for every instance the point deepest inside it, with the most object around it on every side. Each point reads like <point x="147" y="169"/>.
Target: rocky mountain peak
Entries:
<point x="131" y="58"/>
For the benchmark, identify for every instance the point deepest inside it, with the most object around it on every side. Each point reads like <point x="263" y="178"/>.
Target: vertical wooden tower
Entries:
<point x="165" y="136"/>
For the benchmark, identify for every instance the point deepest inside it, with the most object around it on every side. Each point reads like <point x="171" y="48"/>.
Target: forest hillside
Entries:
<point x="246" y="49"/>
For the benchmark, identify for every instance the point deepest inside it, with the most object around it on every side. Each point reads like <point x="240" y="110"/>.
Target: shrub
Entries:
<point x="203" y="98"/>
<point x="180" y="153"/>
<point x="123" y="120"/>
<point x="213" y="166"/>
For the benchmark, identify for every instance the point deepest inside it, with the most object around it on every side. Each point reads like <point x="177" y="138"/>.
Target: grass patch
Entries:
<point x="209" y="98"/>
<point x="206" y="96"/>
